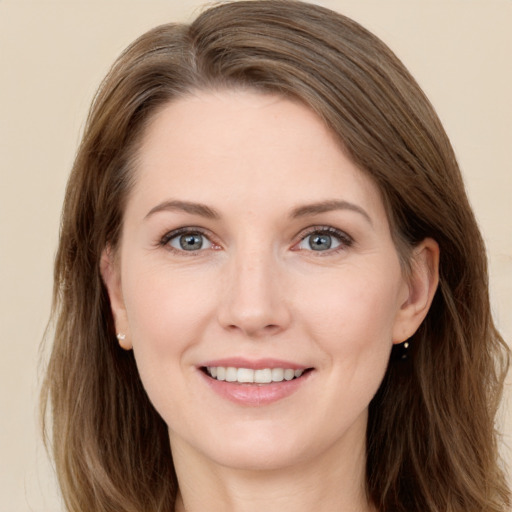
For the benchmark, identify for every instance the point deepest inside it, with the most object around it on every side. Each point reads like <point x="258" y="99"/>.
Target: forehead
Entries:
<point x="248" y="147"/>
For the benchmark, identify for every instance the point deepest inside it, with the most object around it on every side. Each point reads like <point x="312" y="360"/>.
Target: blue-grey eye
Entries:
<point x="190" y="242"/>
<point x="319" y="242"/>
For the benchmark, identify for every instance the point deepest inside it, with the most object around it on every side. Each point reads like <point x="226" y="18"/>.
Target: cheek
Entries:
<point x="355" y="309"/>
<point x="351" y="320"/>
<point x="166" y="315"/>
<point x="350" y="317"/>
<point x="166" y="311"/>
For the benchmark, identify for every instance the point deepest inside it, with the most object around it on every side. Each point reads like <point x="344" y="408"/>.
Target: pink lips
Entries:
<point x="254" y="394"/>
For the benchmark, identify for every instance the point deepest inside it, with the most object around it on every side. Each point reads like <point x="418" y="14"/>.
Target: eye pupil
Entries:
<point x="191" y="241"/>
<point x="320" y="242"/>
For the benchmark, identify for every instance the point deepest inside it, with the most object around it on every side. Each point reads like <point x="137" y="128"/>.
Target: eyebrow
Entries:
<point x="185" y="206"/>
<point x="300" y="211"/>
<point x="328" y="206"/>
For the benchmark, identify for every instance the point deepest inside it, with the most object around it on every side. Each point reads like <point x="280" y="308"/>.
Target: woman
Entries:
<point x="270" y="289"/>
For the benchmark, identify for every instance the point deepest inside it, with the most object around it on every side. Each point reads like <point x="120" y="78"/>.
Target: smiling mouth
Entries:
<point x="250" y="376"/>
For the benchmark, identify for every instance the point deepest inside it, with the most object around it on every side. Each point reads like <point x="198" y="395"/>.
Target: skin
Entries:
<point x="257" y="289"/>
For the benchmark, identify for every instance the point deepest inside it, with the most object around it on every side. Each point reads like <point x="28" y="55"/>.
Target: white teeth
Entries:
<point x="263" y="376"/>
<point x="247" y="375"/>
<point x="231" y="374"/>
<point x="277" y="374"/>
<point x="289" y="374"/>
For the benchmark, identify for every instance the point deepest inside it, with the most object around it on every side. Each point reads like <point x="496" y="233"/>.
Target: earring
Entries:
<point x="400" y="352"/>
<point x="121" y="336"/>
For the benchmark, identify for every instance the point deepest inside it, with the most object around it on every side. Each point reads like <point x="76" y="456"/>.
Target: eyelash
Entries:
<point x="345" y="241"/>
<point x="191" y="230"/>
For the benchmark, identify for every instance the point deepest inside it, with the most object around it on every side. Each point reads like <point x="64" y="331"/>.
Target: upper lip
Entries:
<point x="254" y="364"/>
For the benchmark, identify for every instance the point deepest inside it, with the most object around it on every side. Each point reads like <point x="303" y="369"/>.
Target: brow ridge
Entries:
<point x="328" y="206"/>
<point x="185" y="206"/>
<point x="300" y="211"/>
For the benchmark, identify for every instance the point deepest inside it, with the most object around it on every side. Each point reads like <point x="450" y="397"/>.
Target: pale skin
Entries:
<point x="249" y="234"/>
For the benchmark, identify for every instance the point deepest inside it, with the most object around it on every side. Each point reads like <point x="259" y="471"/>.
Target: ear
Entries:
<point x="111" y="275"/>
<point x="422" y="285"/>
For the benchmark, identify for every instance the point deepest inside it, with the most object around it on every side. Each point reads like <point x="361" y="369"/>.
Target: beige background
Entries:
<point x="53" y="55"/>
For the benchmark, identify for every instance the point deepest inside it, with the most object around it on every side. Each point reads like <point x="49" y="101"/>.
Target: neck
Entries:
<point x="334" y="481"/>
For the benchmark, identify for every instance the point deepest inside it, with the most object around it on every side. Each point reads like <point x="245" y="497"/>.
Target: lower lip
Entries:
<point x="255" y="395"/>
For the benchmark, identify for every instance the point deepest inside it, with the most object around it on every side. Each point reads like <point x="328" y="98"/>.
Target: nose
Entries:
<point x="254" y="301"/>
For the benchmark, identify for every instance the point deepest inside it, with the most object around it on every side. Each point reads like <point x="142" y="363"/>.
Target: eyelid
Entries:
<point x="168" y="236"/>
<point x="344" y="238"/>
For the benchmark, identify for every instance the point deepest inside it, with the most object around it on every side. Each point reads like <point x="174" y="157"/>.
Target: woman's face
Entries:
<point x="253" y="252"/>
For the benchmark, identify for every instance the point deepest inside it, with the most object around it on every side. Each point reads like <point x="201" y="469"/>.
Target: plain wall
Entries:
<point x="53" y="55"/>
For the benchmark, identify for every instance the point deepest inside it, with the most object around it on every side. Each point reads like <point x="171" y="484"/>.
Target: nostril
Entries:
<point x="254" y="329"/>
<point x="272" y="328"/>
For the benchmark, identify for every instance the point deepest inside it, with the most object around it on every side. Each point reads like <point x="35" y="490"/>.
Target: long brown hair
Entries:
<point x="431" y="441"/>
